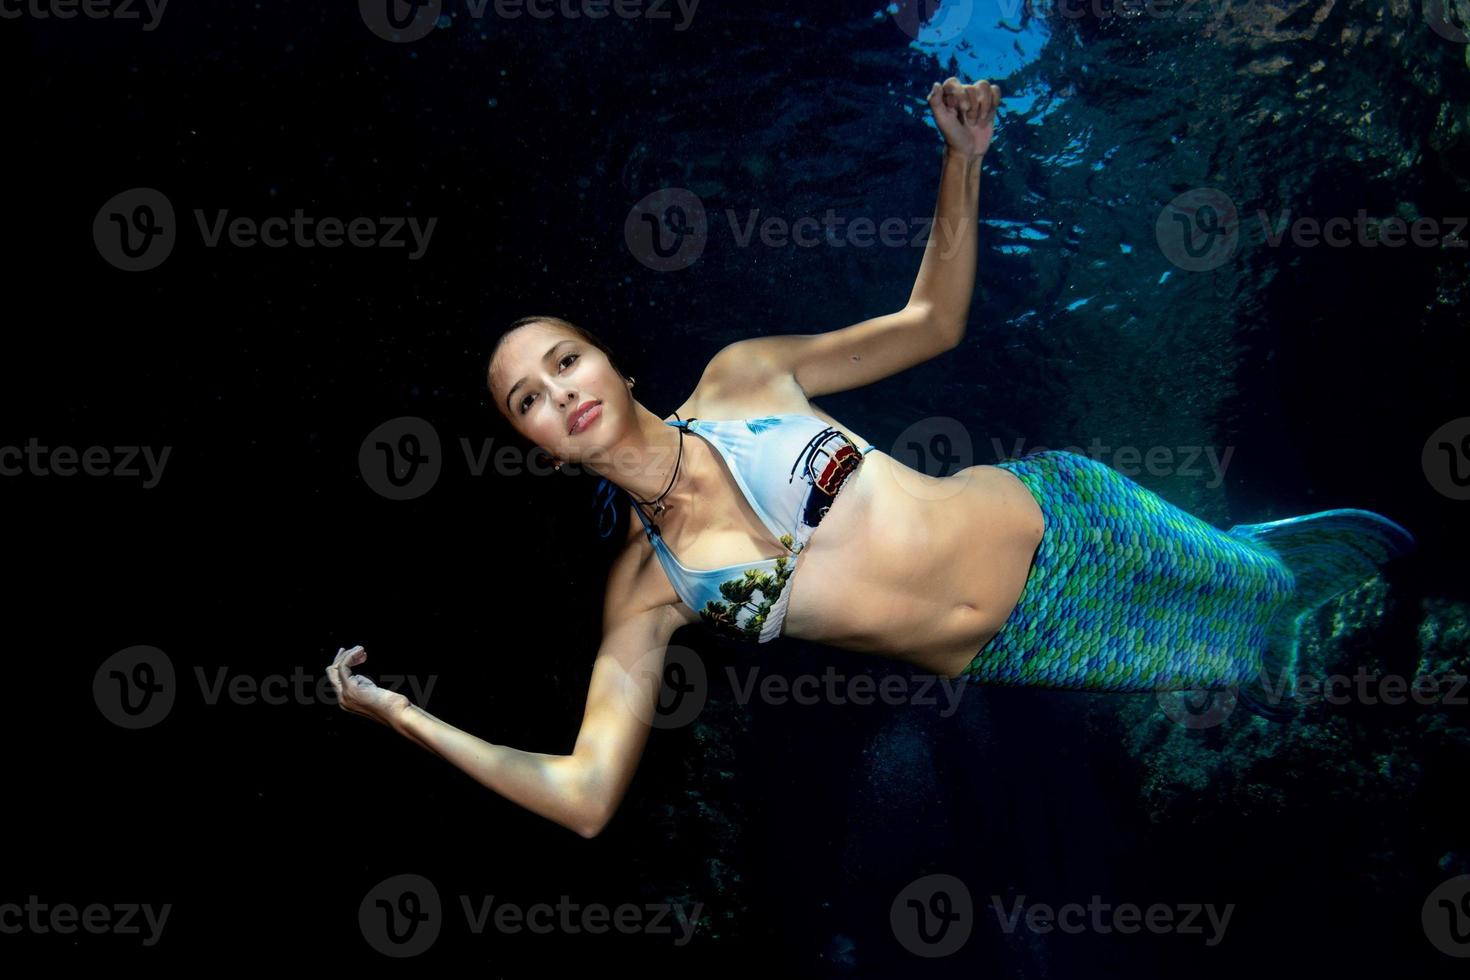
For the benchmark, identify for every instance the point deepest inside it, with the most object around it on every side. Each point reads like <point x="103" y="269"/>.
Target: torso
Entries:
<point x="920" y="569"/>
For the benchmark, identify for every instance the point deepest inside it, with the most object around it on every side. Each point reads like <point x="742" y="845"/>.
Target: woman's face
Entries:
<point x="542" y="375"/>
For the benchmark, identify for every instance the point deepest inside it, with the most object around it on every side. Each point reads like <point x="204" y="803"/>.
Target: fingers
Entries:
<point x="334" y="676"/>
<point x="990" y="101"/>
<point x="973" y="103"/>
<point x="954" y="92"/>
<point x="340" y="673"/>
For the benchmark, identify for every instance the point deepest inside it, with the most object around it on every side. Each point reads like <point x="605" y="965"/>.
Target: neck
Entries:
<point x="644" y="462"/>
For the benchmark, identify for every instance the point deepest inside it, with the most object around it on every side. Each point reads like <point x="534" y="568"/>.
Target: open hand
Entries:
<point x="965" y="114"/>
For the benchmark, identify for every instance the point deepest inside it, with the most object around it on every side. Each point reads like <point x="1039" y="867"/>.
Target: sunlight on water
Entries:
<point x="990" y="39"/>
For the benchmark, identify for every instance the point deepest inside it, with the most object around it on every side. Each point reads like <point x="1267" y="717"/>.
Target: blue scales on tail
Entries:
<point x="1128" y="592"/>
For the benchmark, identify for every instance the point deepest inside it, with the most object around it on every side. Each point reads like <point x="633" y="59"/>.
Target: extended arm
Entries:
<point x="579" y="791"/>
<point x="552" y="786"/>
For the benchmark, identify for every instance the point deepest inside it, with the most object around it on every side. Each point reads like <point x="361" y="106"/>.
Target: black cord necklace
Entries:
<point x="655" y="503"/>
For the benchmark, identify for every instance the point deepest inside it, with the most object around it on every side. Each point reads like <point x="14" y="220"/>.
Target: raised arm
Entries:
<point x="935" y="317"/>
<point x="965" y="115"/>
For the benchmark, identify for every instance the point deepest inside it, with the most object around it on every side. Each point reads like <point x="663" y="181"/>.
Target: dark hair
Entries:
<point x="608" y="495"/>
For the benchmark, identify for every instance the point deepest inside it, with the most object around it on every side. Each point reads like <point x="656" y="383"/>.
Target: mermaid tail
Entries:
<point x="1128" y="592"/>
<point x="1328" y="553"/>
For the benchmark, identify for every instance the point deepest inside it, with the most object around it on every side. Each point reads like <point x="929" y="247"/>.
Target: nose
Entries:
<point x="569" y="400"/>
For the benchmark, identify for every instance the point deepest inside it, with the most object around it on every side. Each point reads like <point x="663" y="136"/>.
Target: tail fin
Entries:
<point x="1328" y="553"/>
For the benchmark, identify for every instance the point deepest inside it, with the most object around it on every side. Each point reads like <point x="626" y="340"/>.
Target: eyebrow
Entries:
<point x="544" y="357"/>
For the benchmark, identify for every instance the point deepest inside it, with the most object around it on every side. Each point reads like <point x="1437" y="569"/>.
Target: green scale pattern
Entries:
<point x="1128" y="592"/>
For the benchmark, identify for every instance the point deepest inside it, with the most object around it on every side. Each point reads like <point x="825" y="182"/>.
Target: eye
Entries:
<point x="526" y="400"/>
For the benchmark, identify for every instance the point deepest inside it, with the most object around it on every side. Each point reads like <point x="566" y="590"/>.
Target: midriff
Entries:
<point x="921" y="569"/>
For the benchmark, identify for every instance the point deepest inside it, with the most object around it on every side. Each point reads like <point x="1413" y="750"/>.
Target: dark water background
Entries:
<point x="263" y="549"/>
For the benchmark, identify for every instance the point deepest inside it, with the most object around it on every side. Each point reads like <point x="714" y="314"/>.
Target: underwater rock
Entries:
<point x="1369" y="768"/>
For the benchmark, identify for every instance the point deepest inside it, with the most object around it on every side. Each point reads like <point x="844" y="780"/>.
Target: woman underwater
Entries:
<point x="1049" y="570"/>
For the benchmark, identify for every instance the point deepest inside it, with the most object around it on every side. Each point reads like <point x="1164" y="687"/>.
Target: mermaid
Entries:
<point x="754" y="513"/>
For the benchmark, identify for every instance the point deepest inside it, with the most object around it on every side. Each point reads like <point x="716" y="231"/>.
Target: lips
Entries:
<point x="584" y="417"/>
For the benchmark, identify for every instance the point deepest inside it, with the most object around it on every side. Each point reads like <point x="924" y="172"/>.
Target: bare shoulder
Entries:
<point x="742" y="367"/>
<point x="739" y="382"/>
<point x="736" y="384"/>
